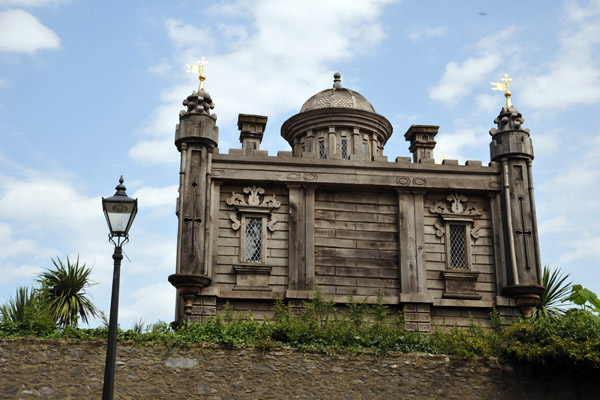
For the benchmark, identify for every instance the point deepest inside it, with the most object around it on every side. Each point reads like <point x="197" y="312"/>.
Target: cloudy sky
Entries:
<point x="91" y="90"/>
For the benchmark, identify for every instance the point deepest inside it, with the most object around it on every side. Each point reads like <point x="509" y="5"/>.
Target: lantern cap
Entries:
<point x="120" y="211"/>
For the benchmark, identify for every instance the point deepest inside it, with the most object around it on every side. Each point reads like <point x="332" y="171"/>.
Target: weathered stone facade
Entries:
<point x="47" y="369"/>
<point x="439" y="241"/>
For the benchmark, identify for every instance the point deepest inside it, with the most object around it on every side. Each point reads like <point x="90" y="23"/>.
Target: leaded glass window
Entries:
<point x="365" y="151"/>
<point x="321" y="149"/>
<point x="253" y="240"/>
<point x="458" y="247"/>
<point x="344" y="149"/>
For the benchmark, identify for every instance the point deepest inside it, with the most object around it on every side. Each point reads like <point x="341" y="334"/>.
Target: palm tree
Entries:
<point x="15" y="309"/>
<point x="556" y="292"/>
<point x="64" y="292"/>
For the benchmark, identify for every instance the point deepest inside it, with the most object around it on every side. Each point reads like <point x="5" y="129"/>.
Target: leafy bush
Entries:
<point x="571" y="341"/>
<point x="26" y="314"/>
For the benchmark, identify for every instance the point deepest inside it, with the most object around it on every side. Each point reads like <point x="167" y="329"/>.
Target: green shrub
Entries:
<point x="570" y="341"/>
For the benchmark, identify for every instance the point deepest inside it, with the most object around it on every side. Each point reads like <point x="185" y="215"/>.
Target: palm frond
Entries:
<point x="557" y="289"/>
<point x="64" y="290"/>
<point x="15" y="309"/>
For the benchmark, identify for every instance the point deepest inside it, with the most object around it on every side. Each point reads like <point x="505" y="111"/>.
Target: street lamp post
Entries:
<point x="119" y="211"/>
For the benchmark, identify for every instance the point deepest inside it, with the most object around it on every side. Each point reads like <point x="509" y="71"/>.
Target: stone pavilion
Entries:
<point x="437" y="241"/>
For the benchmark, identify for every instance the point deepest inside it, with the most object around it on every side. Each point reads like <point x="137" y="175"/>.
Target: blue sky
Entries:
<point x="91" y="90"/>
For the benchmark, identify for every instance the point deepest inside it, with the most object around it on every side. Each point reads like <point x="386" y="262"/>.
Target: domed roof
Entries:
<point x="337" y="97"/>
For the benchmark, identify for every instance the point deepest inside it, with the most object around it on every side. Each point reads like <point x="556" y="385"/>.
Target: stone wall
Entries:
<point x="40" y="369"/>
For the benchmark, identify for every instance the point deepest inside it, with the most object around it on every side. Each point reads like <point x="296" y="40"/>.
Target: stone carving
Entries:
<point x="458" y="208"/>
<point x="509" y="119"/>
<point x="217" y="172"/>
<point x="456" y="200"/>
<point x="440" y="231"/>
<point x="405" y="181"/>
<point x="296" y="176"/>
<point x="235" y="221"/>
<point x="458" y="205"/>
<point x="254" y="193"/>
<point x="198" y="103"/>
<point x="253" y="205"/>
<point x="475" y="230"/>
<point x="402" y="180"/>
<point x="271" y="223"/>
<point x="494" y="184"/>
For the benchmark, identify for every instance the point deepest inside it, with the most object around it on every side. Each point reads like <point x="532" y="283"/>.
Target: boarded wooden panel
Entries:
<point x="356" y="242"/>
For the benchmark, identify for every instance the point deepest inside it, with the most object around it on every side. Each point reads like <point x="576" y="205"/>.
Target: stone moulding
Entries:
<point x="460" y="285"/>
<point x="252" y="277"/>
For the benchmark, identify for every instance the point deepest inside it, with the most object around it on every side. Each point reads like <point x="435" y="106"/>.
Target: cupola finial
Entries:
<point x="337" y="80"/>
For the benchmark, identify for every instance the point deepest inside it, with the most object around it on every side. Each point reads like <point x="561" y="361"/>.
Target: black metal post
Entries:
<point x="111" y="351"/>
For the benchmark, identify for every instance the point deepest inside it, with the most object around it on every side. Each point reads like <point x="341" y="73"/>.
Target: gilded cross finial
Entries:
<point x="199" y="69"/>
<point x="504" y="87"/>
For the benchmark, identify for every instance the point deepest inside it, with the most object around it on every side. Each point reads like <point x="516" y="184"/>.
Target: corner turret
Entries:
<point x="196" y="137"/>
<point x="511" y="146"/>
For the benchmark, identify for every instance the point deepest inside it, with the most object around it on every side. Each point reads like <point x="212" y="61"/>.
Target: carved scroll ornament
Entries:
<point x="458" y="206"/>
<point x="253" y="205"/>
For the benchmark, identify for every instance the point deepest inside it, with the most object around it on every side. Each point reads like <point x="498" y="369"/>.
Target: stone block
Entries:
<point x="449" y="162"/>
<point x="473" y="163"/>
<point x="208" y="301"/>
<point x="417" y="317"/>
<point x="204" y="310"/>
<point x="411" y="326"/>
<point x="410" y="308"/>
<point x="423" y="308"/>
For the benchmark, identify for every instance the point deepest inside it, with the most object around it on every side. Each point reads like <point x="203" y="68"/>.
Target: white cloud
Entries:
<point x="154" y="151"/>
<point x="157" y="197"/>
<point x="581" y="248"/>
<point x="573" y="76"/>
<point x="185" y="35"/>
<point x="42" y="201"/>
<point x="24" y="273"/>
<point x="455" y="146"/>
<point x="21" y="32"/>
<point x="427" y="32"/>
<point x="9" y="247"/>
<point x="460" y="78"/>
<point x="151" y="303"/>
<point x="290" y="43"/>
